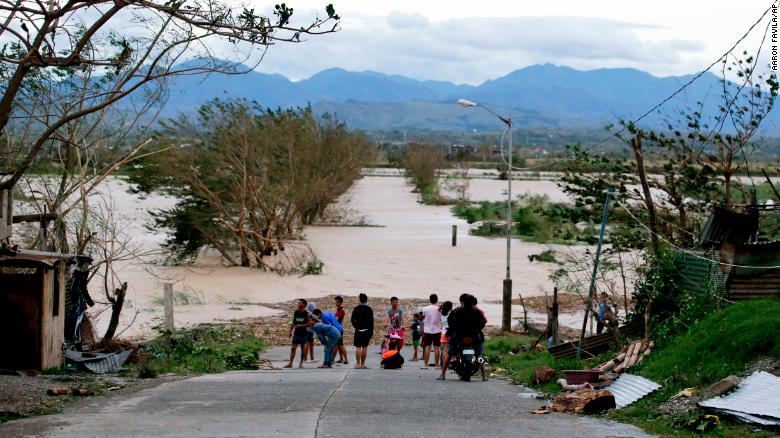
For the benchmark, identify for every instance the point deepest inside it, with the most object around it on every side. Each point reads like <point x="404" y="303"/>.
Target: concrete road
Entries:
<point x="340" y="402"/>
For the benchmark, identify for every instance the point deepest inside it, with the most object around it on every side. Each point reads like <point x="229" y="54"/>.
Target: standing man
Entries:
<point x="340" y="313"/>
<point x="601" y="314"/>
<point x="363" y="321"/>
<point x="431" y="331"/>
<point x="329" y="336"/>
<point x="298" y="330"/>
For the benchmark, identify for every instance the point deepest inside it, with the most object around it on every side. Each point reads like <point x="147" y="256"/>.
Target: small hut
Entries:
<point x="32" y="308"/>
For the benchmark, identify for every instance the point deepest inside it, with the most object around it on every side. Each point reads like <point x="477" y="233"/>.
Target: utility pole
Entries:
<point x="592" y="288"/>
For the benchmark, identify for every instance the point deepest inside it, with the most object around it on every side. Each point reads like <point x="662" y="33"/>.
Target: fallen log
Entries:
<point x="583" y="401"/>
<point x="624" y="364"/>
<point x="634" y="355"/>
<point x="58" y="390"/>
<point x="612" y="363"/>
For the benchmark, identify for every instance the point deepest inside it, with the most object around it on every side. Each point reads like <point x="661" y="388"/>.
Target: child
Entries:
<point x="416" y="331"/>
<point x="392" y="359"/>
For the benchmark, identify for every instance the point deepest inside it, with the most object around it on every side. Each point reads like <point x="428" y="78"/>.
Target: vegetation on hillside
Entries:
<point x="725" y="342"/>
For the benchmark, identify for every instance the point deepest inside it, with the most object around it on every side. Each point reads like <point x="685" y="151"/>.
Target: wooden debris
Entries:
<point x="572" y="386"/>
<point x="82" y="392"/>
<point x="722" y="386"/>
<point x="583" y="401"/>
<point x="58" y="390"/>
<point x="612" y="363"/>
<point x="544" y="374"/>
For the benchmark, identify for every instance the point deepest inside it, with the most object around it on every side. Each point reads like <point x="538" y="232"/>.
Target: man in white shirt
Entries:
<point x="431" y="330"/>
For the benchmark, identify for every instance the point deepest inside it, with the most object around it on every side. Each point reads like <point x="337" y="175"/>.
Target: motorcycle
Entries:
<point x="467" y="362"/>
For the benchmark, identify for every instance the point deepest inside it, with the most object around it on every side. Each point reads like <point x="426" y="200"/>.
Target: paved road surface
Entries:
<point x="341" y="402"/>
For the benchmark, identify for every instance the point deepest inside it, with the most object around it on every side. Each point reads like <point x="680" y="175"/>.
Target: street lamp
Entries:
<point x="506" y="315"/>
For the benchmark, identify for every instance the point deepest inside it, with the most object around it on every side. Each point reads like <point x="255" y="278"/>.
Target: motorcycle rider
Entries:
<point x="467" y="321"/>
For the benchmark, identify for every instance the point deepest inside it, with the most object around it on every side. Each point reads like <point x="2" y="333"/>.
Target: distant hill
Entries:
<point x="537" y="96"/>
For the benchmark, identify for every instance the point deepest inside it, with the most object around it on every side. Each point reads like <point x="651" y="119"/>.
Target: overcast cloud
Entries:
<point x="465" y="49"/>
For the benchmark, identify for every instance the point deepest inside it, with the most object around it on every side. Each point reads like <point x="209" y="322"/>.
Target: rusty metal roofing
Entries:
<point x="764" y="284"/>
<point x="756" y="399"/>
<point x="629" y="388"/>
<point x="729" y="226"/>
<point x="596" y="344"/>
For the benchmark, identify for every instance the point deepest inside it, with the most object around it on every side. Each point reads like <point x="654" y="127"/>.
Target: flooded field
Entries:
<point x="407" y="253"/>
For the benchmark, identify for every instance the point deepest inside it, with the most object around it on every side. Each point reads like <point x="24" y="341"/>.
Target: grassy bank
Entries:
<point x="724" y="343"/>
<point x="202" y="349"/>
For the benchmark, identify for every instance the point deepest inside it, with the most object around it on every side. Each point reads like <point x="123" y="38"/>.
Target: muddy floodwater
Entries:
<point x="408" y="253"/>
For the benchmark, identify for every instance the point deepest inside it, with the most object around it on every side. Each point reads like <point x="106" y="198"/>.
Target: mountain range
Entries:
<point x="536" y="96"/>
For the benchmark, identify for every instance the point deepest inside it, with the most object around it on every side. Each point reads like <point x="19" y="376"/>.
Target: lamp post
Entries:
<point x="506" y="315"/>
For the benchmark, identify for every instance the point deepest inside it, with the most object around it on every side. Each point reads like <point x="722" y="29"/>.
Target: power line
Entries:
<point x="691" y="81"/>
<point x="685" y="250"/>
<point x="664" y="101"/>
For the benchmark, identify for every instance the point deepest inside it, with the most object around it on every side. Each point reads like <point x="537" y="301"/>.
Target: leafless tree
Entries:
<point x="133" y="43"/>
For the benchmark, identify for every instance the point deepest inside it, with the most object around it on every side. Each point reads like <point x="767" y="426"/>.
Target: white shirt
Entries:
<point x="432" y="319"/>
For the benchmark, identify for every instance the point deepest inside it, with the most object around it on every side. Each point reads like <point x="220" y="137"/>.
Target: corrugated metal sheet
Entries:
<point x="629" y="388"/>
<point x="100" y="363"/>
<point x="756" y="399"/>
<point x="764" y="284"/>
<point x="697" y="273"/>
<point x="595" y="344"/>
<point x="728" y="226"/>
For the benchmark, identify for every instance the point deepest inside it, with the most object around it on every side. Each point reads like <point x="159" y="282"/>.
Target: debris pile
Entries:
<point x="755" y="400"/>
<point x="604" y="387"/>
<point x="629" y="356"/>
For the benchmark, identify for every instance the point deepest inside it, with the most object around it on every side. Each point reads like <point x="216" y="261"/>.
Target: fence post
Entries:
<point x="454" y="235"/>
<point x="555" y="316"/>
<point x="168" y="297"/>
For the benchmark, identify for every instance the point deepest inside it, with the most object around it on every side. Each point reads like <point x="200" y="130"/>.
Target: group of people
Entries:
<point x="437" y="327"/>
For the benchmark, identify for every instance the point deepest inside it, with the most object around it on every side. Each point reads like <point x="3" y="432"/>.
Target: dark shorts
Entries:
<point x="363" y="338"/>
<point x="299" y="340"/>
<point x="429" y="339"/>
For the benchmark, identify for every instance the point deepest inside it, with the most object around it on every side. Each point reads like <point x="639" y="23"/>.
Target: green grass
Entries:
<point x="201" y="349"/>
<point x="722" y="343"/>
<point x="514" y="355"/>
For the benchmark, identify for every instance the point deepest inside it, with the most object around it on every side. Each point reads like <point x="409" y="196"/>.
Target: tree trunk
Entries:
<point x="116" y="310"/>
<point x="636" y="145"/>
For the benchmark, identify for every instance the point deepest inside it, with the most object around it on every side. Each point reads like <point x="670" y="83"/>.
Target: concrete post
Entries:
<point x="168" y="296"/>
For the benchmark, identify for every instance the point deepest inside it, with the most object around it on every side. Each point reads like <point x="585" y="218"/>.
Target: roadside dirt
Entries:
<point x="25" y="394"/>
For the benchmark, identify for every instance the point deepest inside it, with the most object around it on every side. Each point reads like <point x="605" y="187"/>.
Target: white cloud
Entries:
<point x="403" y="20"/>
<point x="472" y="50"/>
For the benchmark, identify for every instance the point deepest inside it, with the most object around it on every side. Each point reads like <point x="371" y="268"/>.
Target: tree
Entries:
<point x="133" y="43"/>
<point x="247" y="179"/>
